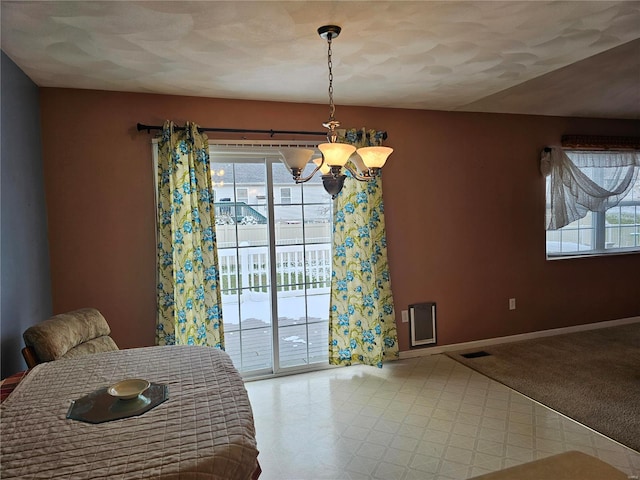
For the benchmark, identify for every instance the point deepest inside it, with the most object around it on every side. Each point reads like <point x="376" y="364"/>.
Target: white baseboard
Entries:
<point x="425" y="351"/>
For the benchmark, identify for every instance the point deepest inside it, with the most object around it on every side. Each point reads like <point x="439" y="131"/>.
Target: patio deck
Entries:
<point x="299" y="345"/>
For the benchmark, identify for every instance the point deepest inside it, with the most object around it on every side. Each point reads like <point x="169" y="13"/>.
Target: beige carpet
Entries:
<point x="592" y="377"/>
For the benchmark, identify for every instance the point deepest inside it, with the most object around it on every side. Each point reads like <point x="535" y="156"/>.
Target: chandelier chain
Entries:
<point x="332" y="108"/>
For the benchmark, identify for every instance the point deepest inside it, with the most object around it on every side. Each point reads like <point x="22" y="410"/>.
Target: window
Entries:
<point x="285" y="196"/>
<point x="242" y="195"/>
<point x="587" y="182"/>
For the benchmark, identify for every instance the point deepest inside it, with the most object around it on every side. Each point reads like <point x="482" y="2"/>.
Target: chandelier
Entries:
<point x="334" y="156"/>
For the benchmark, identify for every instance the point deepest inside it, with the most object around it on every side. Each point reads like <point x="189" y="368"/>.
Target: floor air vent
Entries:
<point x="481" y="353"/>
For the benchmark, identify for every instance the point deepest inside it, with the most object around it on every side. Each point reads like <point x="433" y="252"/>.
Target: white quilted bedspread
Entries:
<point x="204" y="430"/>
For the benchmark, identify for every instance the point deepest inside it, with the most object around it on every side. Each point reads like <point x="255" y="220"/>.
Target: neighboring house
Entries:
<point x="243" y="189"/>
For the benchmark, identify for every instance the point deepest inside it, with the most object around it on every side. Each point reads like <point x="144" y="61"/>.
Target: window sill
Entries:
<point x="607" y="253"/>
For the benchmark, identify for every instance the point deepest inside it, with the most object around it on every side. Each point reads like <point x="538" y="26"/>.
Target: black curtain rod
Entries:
<point x="271" y="133"/>
<point x="148" y="128"/>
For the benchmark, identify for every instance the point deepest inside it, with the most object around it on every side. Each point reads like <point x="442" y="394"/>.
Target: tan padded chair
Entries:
<point x="572" y="465"/>
<point x="68" y="335"/>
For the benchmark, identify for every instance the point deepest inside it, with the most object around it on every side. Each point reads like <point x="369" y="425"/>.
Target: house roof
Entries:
<point x="249" y="174"/>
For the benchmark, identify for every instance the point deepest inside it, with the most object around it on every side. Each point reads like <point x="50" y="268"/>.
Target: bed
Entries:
<point x="204" y="430"/>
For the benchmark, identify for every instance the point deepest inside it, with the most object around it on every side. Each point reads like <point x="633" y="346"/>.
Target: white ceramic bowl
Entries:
<point x="128" y="389"/>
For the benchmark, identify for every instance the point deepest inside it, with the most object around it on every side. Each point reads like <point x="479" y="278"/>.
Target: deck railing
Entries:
<point x="247" y="268"/>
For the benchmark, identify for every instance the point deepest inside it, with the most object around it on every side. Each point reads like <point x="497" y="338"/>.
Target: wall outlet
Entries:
<point x="512" y="304"/>
<point x="405" y="316"/>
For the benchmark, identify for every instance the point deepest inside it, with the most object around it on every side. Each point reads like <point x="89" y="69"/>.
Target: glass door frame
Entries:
<point x="266" y="152"/>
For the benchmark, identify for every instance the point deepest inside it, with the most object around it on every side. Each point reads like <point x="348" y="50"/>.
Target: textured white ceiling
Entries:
<point x="512" y="56"/>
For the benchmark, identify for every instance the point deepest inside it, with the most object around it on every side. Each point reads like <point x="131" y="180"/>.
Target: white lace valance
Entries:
<point x="584" y="182"/>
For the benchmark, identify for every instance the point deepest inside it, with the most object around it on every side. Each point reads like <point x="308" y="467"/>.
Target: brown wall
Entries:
<point x="464" y="204"/>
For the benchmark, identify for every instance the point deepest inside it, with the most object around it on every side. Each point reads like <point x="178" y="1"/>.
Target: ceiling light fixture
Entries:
<point x="367" y="160"/>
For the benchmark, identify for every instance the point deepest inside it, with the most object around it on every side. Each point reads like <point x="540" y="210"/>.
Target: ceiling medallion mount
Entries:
<point x="327" y="30"/>
<point x="367" y="160"/>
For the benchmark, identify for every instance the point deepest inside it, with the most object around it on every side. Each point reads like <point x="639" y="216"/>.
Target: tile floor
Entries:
<point x="420" y="418"/>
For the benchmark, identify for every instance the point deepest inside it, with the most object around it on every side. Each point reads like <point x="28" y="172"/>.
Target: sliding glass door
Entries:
<point x="274" y="249"/>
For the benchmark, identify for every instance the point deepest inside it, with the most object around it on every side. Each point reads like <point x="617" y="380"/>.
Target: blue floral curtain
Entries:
<point x="189" y="301"/>
<point x="362" y="325"/>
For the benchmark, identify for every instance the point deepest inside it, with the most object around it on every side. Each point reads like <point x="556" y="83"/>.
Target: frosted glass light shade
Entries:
<point x="336" y="154"/>
<point x="324" y="169"/>
<point x="296" y="157"/>
<point x="374" y="157"/>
